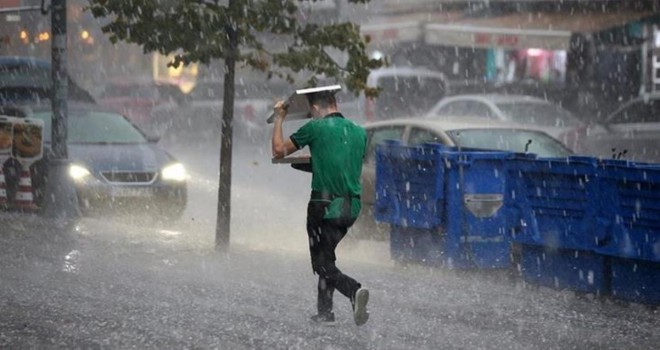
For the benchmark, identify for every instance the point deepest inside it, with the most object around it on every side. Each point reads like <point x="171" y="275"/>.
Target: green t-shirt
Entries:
<point x="337" y="146"/>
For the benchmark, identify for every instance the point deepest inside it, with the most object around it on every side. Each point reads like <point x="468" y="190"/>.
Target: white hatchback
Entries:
<point x="404" y="92"/>
<point x="521" y="109"/>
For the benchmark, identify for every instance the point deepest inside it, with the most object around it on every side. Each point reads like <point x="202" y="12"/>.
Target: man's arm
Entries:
<point x="280" y="147"/>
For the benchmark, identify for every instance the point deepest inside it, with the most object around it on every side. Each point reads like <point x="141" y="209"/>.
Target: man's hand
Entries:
<point x="280" y="110"/>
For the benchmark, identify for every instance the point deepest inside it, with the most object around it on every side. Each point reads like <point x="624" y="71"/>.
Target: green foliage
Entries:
<point x="271" y="38"/>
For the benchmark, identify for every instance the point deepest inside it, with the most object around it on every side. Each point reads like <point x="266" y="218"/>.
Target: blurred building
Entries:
<point x="92" y="59"/>
<point x="580" y="53"/>
<point x="579" y="50"/>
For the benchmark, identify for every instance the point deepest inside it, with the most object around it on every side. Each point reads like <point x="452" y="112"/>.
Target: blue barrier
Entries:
<point x="632" y="219"/>
<point x="577" y="270"/>
<point x="386" y="205"/>
<point x="456" y="196"/>
<point x="476" y="226"/>
<point x="409" y="186"/>
<point x="556" y="226"/>
<point x="555" y="201"/>
<point x="632" y="214"/>
<point x="636" y="280"/>
<point x="582" y="223"/>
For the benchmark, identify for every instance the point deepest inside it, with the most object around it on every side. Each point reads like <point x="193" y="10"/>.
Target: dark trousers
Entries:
<point x="324" y="235"/>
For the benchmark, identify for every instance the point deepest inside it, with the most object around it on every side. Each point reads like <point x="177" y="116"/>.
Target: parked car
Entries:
<point x="29" y="79"/>
<point x="114" y="164"/>
<point x="404" y="92"/>
<point x="469" y="133"/>
<point x="253" y="102"/>
<point x="521" y="109"/>
<point x="630" y="132"/>
<point x="153" y="106"/>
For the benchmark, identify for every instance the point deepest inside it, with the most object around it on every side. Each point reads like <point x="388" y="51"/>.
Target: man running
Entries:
<point x="337" y="146"/>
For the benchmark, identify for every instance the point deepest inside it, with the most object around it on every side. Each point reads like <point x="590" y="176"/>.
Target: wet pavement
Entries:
<point x="134" y="283"/>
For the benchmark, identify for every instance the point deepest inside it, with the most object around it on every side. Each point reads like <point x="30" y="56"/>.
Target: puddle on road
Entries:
<point x="71" y="262"/>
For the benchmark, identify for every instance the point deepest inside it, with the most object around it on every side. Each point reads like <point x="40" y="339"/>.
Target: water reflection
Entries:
<point x="170" y="233"/>
<point x="71" y="262"/>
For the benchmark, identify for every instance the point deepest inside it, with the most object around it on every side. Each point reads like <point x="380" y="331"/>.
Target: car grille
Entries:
<point x="129" y="177"/>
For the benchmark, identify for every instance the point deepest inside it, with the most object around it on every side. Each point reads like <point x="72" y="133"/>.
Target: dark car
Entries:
<point x="29" y="79"/>
<point x="114" y="165"/>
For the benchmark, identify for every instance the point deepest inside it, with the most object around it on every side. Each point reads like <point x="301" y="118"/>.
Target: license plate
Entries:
<point x="130" y="192"/>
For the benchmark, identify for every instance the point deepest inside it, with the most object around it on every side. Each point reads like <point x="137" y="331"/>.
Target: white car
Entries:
<point x="470" y="132"/>
<point x="631" y="132"/>
<point x="521" y="109"/>
<point x="253" y="102"/>
<point x="404" y="92"/>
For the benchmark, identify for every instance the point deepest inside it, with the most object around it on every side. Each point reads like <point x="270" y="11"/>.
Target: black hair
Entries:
<point x="323" y="99"/>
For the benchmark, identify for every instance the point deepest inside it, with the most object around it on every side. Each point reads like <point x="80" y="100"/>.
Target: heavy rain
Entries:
<point x="509" y="182"/>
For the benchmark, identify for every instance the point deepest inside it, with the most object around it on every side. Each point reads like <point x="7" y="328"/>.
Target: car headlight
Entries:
<point x="175" y="172"/>
<point x="78" y="173"/>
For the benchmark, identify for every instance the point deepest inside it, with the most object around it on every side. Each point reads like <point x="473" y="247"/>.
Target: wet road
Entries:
<point x="132" y="283"/>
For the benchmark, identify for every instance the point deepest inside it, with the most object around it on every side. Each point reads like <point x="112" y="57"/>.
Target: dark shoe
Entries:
<point x="326" y="319"/>
<point x="359" y="301"/>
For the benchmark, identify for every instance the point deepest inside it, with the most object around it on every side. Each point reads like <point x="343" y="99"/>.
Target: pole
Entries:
<point x="222" y="228"/>
<point x="60" y="200"/>
<point x="59" y="77"/>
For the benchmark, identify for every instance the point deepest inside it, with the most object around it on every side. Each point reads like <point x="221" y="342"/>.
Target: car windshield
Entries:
<point x="519" y="141"/>
<point x="24" y="75"/>
<point x="544" y="114"/>
<point x="94" y="127"/>
<point x="32" y="81"/>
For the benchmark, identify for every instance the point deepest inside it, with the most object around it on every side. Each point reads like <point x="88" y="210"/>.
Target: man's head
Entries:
<point x="322" y="103"/>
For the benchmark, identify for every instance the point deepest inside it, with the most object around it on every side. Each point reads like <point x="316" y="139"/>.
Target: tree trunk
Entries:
<point x="222" y="228"/>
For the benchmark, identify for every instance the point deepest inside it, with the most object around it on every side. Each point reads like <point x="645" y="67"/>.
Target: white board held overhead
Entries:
<point x="298" y="105"/>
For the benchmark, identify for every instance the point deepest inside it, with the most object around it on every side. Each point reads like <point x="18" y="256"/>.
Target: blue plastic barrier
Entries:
<point x="409" y="186"/>
<point x="636" y="280"/>
<point x="556" y="222"/>
<point x="631" y="215"/>
<point x="555" y="197"/>
<point x="581" y="223"/>
<point x="444" y="205"/>
<point x="386" y="205"/>
<point x="632" y="220"/>
<point x="577" y="270"/>
<point x="476" y="226"/>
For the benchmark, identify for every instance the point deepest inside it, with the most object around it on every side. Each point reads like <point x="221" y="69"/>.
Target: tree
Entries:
<point x="239" y="32"/>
